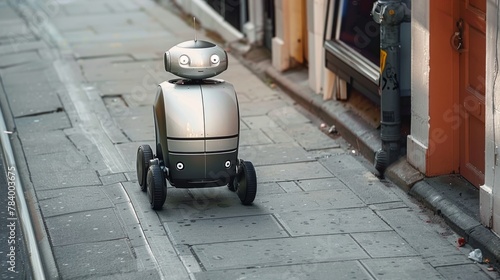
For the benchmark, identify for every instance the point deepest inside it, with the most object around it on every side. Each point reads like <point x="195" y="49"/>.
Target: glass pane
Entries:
<point x="357" y="28"/>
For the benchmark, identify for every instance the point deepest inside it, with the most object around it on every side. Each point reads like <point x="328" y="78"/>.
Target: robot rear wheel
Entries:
<point x="156" y="186"/>
<point x="144" y="155"/>
<point x="245" y="183"/>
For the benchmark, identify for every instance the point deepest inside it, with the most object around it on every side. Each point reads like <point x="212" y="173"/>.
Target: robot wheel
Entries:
<point x="156" y="186"/>
<point x="144" y="155"/>
<point x="245" y="183"/>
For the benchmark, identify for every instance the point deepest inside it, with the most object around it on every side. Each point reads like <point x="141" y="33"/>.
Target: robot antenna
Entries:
<point x="194" y="27"/>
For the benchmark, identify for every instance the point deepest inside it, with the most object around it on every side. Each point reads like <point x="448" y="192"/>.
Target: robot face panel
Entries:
<point x="196" y="60"/>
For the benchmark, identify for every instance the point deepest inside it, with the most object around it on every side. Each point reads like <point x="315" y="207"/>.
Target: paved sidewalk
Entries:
<point x="80" y="78"/>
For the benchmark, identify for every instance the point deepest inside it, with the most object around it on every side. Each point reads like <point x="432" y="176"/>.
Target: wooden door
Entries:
<point x="472" y="48"/>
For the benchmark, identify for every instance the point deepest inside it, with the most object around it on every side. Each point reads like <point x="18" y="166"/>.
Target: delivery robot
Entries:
<point x="197" y="127"/>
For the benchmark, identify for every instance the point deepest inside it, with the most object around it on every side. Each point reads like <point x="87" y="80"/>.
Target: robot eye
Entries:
<point x="214" y="59"/>
<point x="183" y="59"/>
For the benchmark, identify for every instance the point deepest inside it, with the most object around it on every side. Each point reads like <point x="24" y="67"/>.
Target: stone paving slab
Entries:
<point x="253" y="137"/>
<point x="137" y="71"/>
<point x="69" y="160"/>
<point x="464" y="271"/>
<point x="339" y="270"/>
<point x="120" y="39"/>
<point x="7" y="13"/>
<point x="343" y="162"/>
<point x="19" y="75"/>
<point x="334" y="221"/>
<point x="86" y="143"/>
<point x="19" y="47"/>
<point x="386" y="244"/>
<point x="456" y="259"/>
<point x="288" y="116"/>
<point x="12" y="26"/>
<point x="116" y="193"/>
<point x="368" y="187"/>
<point x="256" y="122"/>
<point x="137" y="124"/>
<point x="277" y="135"/>
<point x="318" y="200"/>
<point x="259" y="108"/>
<point x="321" y="184"/>
<point x="290" y="186"/>
<point x="130" y="47"/>
<point x="291" y="171"/>
<point x="112" y="178"/>
<point x="84" y="227"/>
<point x="46" y="122"/>
<point x="273" y="154"/>
<point x="281" y="251"/>
<point x="420" y="236"/>
<point x="18" y="58"/>
<point x="34" y="100"/>
<point x="106" y="22"/>
<point x="64" y="179"/>
<point x="202" y="231"/>
<point x="75" y="9"/>
<point x="151" y="274"/>
<point x="253" y="89"/>
<point x="310" y="137"/>
<point x="134" y="93"/>
<point x="359" y="179"/>
<point x="87" y="260"/>
<point x="176" y="209"/>
<point x="269" y="188"/>
<point x="46" y="142"/>
<point x="69" y="200"/>
<point x="411" y="268"/>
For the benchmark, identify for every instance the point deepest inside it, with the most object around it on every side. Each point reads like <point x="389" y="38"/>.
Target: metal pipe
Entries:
<point x="389" y="14"/>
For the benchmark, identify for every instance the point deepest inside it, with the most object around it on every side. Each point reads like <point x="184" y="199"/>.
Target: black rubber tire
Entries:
<point x="246" y="187"/>
<point x="156" y="186"/>
<point x="144" y="155"/>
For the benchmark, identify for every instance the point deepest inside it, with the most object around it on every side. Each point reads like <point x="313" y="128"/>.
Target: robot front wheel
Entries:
<point x="156" y="186"/>
<point x="245" y="183"/>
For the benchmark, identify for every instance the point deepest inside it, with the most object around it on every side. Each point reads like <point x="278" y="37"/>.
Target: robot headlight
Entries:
<point x="183" y="60"/>
<point x="214" y="59"/>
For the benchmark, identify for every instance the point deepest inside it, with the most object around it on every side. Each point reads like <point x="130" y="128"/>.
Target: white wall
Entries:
<point x="280" y="52"/>
<point x="418" y="140"/>
<point x="490" y="191"/>
<point x="254" y="28"/>
<point x="316" y="15"/>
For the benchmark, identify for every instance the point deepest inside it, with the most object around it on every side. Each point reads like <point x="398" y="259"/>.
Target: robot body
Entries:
<point x="197" y="128"/>
<point x="197" y="131"/>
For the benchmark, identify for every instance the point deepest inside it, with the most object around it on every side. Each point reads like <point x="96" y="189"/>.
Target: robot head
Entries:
<point x="195" y="59"/>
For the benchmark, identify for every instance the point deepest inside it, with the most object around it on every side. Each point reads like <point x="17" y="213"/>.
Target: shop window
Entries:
<point x="357" y="30"/>
<point x="352" y="46"/>
<point x="235" y="12"/>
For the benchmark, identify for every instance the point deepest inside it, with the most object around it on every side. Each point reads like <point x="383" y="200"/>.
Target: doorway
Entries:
<point x="470" y="41"/>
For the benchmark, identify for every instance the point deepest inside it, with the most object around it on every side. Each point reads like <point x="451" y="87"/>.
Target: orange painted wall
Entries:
<point x="442" y="155"/>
